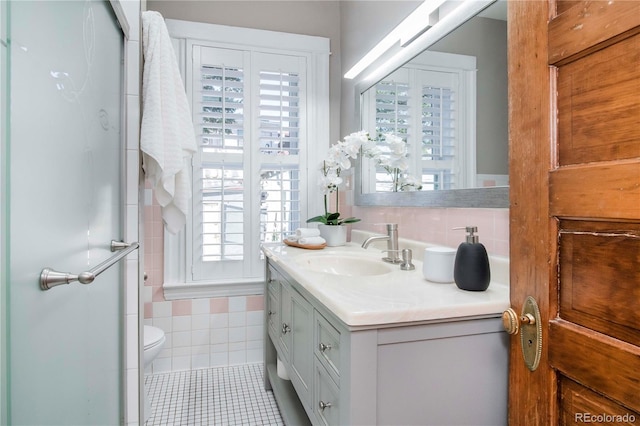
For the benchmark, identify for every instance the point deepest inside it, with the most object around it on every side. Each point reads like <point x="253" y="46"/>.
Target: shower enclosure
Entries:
<point x="62" y="205"/>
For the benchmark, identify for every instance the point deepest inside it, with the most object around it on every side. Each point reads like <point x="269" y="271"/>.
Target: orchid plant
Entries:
<point x="338" y="160"/>
<point x="339" y="157"/>
<point x="393" y="158"/>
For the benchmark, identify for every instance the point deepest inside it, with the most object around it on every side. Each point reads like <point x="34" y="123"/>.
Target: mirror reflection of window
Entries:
<point x="430" y="104"/>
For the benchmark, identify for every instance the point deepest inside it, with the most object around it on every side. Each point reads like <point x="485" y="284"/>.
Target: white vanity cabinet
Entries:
<point x="437" y="372"/>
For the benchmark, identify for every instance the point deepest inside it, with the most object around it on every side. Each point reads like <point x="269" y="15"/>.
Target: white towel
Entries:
<point x="292" y="239"/>
<point x="167" y="138"/>
<point x="311" y="241"/>
<point x="307" y="232"/>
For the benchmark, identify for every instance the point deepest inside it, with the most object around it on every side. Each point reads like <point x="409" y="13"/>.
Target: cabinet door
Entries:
<point x="273" y="306"/>
<point x="301" y="346"/>
<point x="285" y="327"/>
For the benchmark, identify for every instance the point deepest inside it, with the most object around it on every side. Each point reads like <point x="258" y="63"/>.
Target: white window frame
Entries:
<point x="177" y="277"/>
<point x="464" y="67"/>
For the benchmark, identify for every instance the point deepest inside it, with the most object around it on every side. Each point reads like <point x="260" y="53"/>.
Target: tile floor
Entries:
<point x="225" y="396"/>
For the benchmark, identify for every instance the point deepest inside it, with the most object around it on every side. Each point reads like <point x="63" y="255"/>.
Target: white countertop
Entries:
<point x="395" y="297"/>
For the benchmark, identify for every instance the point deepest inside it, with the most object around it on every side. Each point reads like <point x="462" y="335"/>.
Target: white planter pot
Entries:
<point x="334" y="235"/>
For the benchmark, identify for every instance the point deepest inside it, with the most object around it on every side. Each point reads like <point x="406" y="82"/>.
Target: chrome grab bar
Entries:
<point x="50" y="278"/>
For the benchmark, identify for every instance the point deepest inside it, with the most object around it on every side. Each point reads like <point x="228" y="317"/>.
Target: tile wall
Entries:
<point x="201" y="333"/>
<point x="436" y="225"/>
<point x="131" y="10"/>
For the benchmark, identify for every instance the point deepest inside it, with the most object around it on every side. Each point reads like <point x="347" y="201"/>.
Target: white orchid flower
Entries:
<point x="345" y="163"/>
<point x="391" y="139"/>
<point x="350" y="149"/>
<point x="330" y="183"/>
<point x="357" y="139"/>
<point x="396" y="145"/>
<point x="334" y="153"/>
<point x="371" y="149"/>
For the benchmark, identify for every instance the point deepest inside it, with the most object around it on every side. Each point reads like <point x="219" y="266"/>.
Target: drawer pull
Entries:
<point x="272" y="313"/>
<point x="285" y="328"/>
<point x="324" y="347"/>
<point x="324" y="405"/>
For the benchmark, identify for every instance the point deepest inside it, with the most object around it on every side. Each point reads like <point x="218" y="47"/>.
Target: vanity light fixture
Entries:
<point x="407" y="31"/>
<point x="420" y="21"/>
<point x="446" y="24"/>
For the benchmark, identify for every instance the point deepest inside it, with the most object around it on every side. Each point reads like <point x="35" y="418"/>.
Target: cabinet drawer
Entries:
<point x="327" y="346"/>
<point x="326" y="401"/>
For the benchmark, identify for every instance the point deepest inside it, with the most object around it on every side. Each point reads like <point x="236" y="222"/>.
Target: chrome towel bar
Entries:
<point x="50" y="278"/>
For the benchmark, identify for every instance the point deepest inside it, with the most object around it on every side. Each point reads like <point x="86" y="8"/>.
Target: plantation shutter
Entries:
<point x="439" y="130"/>
<point x="221" y="189"/>
<point x="392" y="108"/>
<point x="393" y="115"/>
<point x="249" y="113"/>
<point x="281" y="112"/>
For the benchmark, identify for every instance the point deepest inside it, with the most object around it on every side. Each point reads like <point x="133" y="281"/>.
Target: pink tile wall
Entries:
<point x="436" y="225"/>
<point x="153" y="252"/>
<point x="432" y="225"/>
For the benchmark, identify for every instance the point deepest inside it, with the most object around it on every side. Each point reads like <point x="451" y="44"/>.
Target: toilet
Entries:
<point x="153" y="344"/>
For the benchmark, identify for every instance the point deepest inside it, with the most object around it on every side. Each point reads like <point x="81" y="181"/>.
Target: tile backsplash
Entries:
<point x="435" y="226"/>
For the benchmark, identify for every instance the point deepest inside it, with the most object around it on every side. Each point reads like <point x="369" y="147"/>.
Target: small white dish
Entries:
<point x="437" y="265"/>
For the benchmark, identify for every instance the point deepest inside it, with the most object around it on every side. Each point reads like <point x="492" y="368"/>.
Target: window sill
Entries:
<point x="178" y="290"/>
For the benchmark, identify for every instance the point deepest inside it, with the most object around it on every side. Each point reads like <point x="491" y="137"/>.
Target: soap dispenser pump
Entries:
<point x="471" y="267"/>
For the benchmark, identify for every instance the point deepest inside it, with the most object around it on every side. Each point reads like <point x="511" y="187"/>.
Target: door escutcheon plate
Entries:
<point x="531" y="333"/>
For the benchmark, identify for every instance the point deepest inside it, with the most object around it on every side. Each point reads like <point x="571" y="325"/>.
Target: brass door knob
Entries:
<point x="510" y="321"/>
<point x="530" y="328"/>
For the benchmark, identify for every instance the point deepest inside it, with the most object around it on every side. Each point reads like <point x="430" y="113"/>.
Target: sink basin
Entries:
<point x="344" y="264"/>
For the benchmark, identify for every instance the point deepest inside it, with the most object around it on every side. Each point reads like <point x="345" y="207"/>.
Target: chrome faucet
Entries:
<point x="392" y="243"/>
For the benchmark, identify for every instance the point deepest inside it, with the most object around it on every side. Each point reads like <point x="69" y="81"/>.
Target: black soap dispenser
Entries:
<point x="471" y="268"/>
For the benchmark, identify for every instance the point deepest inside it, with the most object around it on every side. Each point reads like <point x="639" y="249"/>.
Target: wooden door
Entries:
<point x="574" y="110"/>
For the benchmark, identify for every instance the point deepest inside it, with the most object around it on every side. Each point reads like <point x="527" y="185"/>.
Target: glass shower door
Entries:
<point x="65" y="206"/>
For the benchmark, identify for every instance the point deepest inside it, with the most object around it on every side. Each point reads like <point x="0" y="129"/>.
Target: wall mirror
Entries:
<point x="445" y="94"/>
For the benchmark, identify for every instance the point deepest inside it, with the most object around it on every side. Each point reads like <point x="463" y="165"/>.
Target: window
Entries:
<point x="429" y="103"/>
<point x="254" y="105"/>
